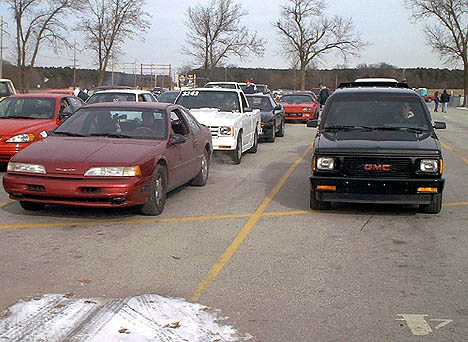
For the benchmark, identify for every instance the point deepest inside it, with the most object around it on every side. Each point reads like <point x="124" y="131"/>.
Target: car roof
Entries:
<point x="376" y="90"/>
<point x="257" y="95"/>
<point x="216" y="89"/>
<point x="376" y="79"/>
<point x="220" y="82"/>
<point x="123" y="91"/>
<point x="43" y="95"/>
<point x="130" y="105"/>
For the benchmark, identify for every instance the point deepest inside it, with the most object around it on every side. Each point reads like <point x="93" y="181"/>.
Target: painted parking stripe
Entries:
<point x="229" y="252"/>
<point x="2" y="204"/>
<point x="451" y="149"/>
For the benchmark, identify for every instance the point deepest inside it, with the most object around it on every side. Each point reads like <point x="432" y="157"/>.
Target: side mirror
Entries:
<point x="312" y="123"/>
<point x="279" y="107"/>
<point x="439" y="125"/>
<point x="248" y="110"/>
<point x="66" y="113"/>
<point x="177" y="139"/>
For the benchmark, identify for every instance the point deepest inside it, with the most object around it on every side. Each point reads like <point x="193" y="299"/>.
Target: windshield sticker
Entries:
<point x="190" y="93"/>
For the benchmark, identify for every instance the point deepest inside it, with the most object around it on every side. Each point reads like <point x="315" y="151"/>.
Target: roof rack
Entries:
<point x="383" y="84"/>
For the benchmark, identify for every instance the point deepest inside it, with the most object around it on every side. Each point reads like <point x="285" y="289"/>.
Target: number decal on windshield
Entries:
<point x="190" y="93"/>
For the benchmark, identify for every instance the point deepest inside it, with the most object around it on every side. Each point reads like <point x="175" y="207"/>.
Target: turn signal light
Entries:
<point x="326" y="187"/>
<point x="421" y="189"/>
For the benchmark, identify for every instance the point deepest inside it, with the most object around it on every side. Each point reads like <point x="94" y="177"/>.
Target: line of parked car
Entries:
<point x="124" y="148"/>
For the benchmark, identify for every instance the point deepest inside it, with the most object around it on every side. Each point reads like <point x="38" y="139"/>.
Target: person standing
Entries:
<point x="444" y="99"/>
<point x="323" y="95"/>
<point x="436" y="100"/>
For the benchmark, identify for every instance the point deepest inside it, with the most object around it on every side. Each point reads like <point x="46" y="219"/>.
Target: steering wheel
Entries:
<point x="144" y="129"/>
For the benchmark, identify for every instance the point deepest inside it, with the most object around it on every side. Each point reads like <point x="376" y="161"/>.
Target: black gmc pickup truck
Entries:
<point x="376" y="145"/>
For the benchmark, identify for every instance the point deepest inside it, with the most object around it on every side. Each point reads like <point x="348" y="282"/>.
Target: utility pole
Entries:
<point x="1" y="47"/>
<point x="74" y="65"/>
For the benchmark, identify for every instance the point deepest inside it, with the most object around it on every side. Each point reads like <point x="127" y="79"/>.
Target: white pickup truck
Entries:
<point x="235" y="126"/>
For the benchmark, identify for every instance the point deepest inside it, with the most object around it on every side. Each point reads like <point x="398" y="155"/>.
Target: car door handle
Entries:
<point x="195" y="144"/>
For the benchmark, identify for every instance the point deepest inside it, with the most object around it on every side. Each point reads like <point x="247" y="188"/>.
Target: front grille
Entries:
<point x="68" y="199"/>
<point x="214" y="131"/>
<point x="376" y="167"/>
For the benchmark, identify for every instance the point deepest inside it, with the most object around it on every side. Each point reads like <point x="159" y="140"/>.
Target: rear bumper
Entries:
<point x="96" y="193"/>
<point x="371" y="190"/>
<point x="299" y="116"/>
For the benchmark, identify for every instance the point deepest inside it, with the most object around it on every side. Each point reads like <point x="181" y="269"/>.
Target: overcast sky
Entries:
<point x="384" y="24"/>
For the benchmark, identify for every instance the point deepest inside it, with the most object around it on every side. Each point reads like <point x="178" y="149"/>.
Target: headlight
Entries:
<point x="307" y="109"/>
<point x="23" y="167"/>
<point x="21" y="138"/>
<point x="325" y="163"/>
<point x="225" y="130"/>
<point x="429" y="165"/>
<point x="114" y="171"/>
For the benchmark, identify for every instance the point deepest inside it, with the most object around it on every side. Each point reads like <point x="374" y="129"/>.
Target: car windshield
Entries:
<point x="221" y="85"/>
<point x="116" y="123"/>
<point x="27" y="108"/>
<point x="260" y="102"/>
<point x="297" y="98"/>
<point x="261" y="88"/>
<point x="223" y="100"/>
<point x="376" y="112"/>
<point x="111" y="97"/>
<point x="168" y="96"/>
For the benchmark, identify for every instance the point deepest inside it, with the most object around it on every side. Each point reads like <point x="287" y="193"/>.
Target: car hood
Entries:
<point x="213" y="117"/>
<point x="9" y="127"/>
<point x="382" y="142"/>
<point x="76" y="155"/>
<point x="303" y="104"/>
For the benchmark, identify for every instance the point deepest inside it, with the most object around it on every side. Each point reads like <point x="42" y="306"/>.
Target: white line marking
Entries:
<point x="417" y="323"/>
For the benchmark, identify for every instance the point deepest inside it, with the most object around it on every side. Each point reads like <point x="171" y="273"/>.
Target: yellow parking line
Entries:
<point x="229" y="252"/>
<point x="451" y="149"/>
<point x="455" y="204"/>
<point x="2" y="204"/>
<point x="120" y="222"/>
<point x="287" y="213"/>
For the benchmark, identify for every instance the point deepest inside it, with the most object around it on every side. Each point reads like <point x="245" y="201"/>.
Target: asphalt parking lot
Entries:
<point x="248" y="245"/>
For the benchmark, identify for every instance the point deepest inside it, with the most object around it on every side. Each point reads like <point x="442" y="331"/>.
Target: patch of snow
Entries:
<point x="55" y="318"/>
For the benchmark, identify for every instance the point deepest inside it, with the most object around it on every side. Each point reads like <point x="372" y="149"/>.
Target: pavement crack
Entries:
<point x="366" y="223"/>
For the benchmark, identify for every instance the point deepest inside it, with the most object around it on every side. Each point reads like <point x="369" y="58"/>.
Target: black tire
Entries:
<point x="316" y="204"/>
<point x="434" y="207"/>
<point x="254" y="148"/>
<point x="282" y="129"/>
<point x="272" y="138"/>
<point x="31" y="205"/>
<point x="157" y="197"/>
<point x="202" y="177"/>
<point x="236" y="155"/>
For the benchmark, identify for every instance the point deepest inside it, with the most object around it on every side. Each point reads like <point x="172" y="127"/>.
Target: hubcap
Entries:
<point x="204" y="167"/>
<point x="158" y="190"/>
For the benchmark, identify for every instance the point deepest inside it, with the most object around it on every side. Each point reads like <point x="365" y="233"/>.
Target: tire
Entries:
<point x="272" y="138"/>
<point x="202" y="177"/>
<point x="316" y="204"/>
<point x="254" y="148"/>
<point x="236" y="155"/>
<point x="31" y="205"/>
<point x="282" y="129"/>
<point x="157" y="197"/>
<point x="434" y="207"/>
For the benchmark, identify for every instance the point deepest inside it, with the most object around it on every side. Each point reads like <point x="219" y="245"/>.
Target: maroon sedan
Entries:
<point x="113" y="155"/>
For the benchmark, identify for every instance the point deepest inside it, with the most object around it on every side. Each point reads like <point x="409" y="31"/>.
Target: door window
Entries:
<point x="192" y="123"/>
<point x="179" y="123"/>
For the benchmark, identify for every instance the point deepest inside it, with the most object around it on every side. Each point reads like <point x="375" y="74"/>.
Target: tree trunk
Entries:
<point x="303" y="77"/>
<point x="101" y="74"/>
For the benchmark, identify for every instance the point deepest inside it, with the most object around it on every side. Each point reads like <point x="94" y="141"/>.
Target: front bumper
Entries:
<point x="79" y="192"/>
<point x="299" y="116"/>
<point x="372" y="190"/>
<point x="224" y="143"/>
<point x="266" y="130"/>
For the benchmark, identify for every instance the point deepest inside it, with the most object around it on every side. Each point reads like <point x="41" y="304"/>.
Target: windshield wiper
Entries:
<point x="16" y="117"/>
<point x="348" y="127"/>
<point x="412" y="129"/>
<point x="111" y="135"/>
<point x="70" y="134"/>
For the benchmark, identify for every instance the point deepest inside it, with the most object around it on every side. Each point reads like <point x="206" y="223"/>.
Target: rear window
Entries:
<point x="111" y="97"/>
<point x="260" y="102"/>
<point x="375" y="110"/>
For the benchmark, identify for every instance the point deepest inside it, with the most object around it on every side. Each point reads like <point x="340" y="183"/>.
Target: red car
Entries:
<point x="113" y="155"/>
<point x="25" y="119"/>
<point x="301" y="106"/>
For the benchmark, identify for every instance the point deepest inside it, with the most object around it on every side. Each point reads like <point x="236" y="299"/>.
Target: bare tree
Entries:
<point x="107" y="24"/>
<point x="449" y="34"/>
<point x="307" y="35"/>
<point x="37" y="22"/>
<point x="216" y="33"/>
